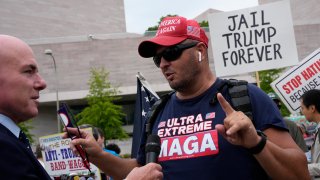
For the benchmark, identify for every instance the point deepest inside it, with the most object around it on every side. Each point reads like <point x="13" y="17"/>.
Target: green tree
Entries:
<point x="266" y="78"/>
<point x="25" y="127"/>
<point x="204" y="24"/>
<point x="101" y="111"/>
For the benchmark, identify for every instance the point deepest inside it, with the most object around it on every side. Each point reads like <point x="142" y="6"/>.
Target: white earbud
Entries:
<point x="199" y="56"/>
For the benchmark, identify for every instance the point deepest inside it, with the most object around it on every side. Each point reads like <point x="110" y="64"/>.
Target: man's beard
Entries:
<point x="181" y="85"/>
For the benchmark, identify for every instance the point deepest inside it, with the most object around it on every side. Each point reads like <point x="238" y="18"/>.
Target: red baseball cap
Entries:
<point x="171" y="31"/>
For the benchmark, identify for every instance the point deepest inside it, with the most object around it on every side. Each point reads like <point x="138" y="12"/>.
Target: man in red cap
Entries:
<point x="201" y="139"/>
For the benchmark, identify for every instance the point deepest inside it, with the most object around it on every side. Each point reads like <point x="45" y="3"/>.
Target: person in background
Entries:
<point x="101" y="138"/>
<point x="110" y="148"/>
<point x="202" y="139"/>
<point x="113" y="149"/>
<point x="310" y="108"/>
<point x="38" y="155"/>
<point x="20" y="86"/>
<point x="294" y="130"/>
<point x="296" y="134"/>
<point x="303" y="128"/>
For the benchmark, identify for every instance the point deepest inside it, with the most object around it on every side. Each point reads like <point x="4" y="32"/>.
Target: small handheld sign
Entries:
<point x="67" y="120"/>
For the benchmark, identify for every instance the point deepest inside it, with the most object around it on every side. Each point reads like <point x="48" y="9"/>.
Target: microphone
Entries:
<point x="153" y="148"/>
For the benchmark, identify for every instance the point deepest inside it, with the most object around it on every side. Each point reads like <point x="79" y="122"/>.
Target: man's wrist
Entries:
<point x="261" y="144"/>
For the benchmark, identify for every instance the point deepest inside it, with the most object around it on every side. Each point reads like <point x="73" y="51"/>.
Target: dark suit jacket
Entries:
<point x="16" y="161"/>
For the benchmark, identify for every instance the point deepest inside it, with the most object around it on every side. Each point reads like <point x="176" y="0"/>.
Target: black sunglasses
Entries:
<point x="172" y="53"/>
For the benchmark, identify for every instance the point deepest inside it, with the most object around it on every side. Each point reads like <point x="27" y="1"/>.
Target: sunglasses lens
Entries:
<point x="172" y="54"/>
<point x="169" y="54"/>
<point x="157" y="60"/>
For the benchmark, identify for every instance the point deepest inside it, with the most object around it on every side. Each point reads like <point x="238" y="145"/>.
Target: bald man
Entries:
<point x="20" y="84"/>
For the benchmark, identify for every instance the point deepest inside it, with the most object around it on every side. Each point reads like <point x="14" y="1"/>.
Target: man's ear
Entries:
<point x="312" y="108"/>
<point x="201" y="51"/>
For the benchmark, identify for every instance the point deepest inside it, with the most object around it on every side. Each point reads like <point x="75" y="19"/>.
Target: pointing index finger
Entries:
<point x="227" y="108"/>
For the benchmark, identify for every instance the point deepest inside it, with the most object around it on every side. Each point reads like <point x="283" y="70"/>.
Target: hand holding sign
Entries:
<point x="237" y="128"/>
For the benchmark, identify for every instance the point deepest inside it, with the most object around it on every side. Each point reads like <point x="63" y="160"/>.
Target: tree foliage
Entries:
<point x="204" y="24"/>
<point x="266" y="78"/>
<point x="101" y="111"/>
<point x="26" y="127"/>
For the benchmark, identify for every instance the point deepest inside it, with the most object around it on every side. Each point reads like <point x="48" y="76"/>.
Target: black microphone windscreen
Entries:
<point x="153" y="144"/>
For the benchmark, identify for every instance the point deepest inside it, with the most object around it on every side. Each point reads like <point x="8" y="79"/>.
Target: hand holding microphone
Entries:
<point x="151" y="170"/>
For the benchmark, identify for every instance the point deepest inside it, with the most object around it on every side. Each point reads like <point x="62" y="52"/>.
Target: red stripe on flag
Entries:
<point x="193" y="31"/>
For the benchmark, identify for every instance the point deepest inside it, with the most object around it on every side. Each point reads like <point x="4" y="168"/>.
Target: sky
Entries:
<point x="141" y="14"/>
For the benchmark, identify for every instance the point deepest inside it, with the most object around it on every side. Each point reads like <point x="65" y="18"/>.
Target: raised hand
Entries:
<point x="237" y="127"/>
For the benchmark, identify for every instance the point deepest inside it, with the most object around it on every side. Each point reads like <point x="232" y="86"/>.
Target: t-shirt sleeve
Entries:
<point x="265" y="112"/>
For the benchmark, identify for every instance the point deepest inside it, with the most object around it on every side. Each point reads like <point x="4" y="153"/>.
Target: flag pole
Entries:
<point x="140" y="76"/>
<point x="145" y="98"/>
<point x="146" y="84"/>
<point x="258" y="79"/>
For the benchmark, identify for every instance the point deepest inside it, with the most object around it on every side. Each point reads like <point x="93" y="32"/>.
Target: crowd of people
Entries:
<point x="226" y="145"/>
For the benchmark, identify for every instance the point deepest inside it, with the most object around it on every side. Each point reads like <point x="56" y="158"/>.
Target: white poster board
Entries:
<point x="253" y="39"/>
<point x="59" y="159"/>
<point x="297" y="80"/>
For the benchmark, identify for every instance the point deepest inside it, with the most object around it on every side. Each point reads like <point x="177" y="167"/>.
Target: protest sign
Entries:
<point x="296" y="81"/>
<point x="59" y="160"/>
<point x="253" y="39"/>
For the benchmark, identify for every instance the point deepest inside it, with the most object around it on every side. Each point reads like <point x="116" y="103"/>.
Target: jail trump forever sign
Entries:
<point x="296" y="81"/>
<point x="253" y="39"/>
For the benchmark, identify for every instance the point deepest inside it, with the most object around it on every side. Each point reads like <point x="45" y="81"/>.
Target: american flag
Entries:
<point x="145" y="98"/>
<point x="210" y="115"/>
<point x="193" y="31"/>
<point x="162" y="124"/>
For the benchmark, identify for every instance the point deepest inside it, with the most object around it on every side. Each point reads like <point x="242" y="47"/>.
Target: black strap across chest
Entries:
<point x="239" y="100"/>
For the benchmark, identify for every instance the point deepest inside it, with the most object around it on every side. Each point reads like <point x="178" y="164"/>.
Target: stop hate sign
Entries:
<point x="297" y="80"/>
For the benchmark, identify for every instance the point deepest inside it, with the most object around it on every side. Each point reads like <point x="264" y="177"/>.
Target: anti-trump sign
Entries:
<point x="295" y="82"/>
<point x="253" y="39"/>
<point x="59" y="159"/>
